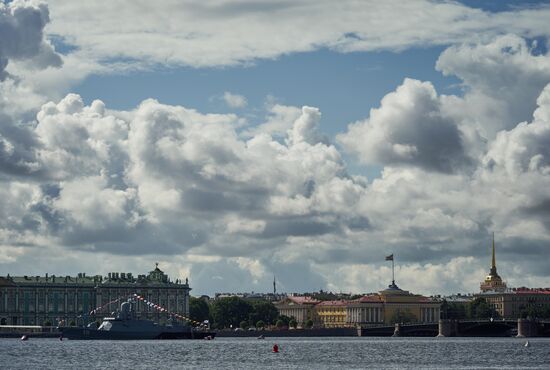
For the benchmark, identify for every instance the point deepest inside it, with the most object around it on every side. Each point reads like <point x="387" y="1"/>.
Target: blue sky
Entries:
<point x="343" y="86"/>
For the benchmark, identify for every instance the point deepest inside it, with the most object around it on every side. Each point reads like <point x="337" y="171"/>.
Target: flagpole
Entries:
<point x="392" y="272"/>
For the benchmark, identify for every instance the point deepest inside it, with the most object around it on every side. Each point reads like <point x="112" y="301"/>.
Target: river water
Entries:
<point x="295" y="353"/>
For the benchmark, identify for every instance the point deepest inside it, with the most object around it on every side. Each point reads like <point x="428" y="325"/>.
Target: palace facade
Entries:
<point x="76" y="300"/>
<point x="392" y="305"/>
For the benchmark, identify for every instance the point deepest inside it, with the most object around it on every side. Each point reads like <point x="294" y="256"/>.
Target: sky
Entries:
<point x="235" y="141"/>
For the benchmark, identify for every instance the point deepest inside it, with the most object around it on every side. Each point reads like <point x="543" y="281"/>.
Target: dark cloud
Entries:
<point x="296" y="227"/>
<point x="539" y="211"/>
<point x="22" y="29"/>
<point x="17" y="149"/>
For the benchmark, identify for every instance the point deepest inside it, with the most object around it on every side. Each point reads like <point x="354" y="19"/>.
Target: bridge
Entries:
<point x="463" y="328"/>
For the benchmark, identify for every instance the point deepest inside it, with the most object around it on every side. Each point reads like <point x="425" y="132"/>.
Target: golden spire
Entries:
<point x="494" y="261"/>
<point x="494" y="265"/>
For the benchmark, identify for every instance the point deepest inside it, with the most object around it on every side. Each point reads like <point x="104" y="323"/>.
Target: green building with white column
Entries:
<point x="76" y="300"/>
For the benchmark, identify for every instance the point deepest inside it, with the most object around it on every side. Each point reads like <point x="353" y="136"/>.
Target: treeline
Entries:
<point x="235" y="312"/>
<point x="480" y="309"/>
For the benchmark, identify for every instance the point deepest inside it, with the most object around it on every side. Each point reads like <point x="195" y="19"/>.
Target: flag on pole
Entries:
<point x="390" y="257"/>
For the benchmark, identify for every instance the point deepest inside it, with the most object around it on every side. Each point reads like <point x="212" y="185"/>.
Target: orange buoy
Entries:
<point x="275" y="348"/>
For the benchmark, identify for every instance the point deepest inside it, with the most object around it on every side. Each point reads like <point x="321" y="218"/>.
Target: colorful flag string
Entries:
<point x="164" y="310"/>
<point x="149" y="304"/>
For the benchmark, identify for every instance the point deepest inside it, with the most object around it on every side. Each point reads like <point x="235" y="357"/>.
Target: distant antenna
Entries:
<point x="274" y="286"/>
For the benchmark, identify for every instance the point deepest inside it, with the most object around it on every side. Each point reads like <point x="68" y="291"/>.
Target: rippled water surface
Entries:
<point x="295" y="353"/>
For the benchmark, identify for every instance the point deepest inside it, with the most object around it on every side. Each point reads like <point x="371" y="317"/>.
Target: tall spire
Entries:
<point x="494" y="260"/>
<point x="274" y="286"/>
<point x="493" y="282"/>
<point x="494" y="264"/>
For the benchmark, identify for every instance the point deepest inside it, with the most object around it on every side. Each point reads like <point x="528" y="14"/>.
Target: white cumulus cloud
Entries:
<point x="234" y="100"/>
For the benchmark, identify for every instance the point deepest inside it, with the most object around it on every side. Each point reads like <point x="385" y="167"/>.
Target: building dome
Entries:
<point x="492" y="278"/>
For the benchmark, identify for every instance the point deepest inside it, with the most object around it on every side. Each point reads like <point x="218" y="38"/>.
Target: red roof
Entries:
<point x="369" y="298"/>
<point x="333" y="303"/>
<point x="524" y="290"/>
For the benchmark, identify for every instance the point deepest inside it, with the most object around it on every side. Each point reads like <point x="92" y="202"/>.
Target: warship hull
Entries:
<point x="94" y="334"/>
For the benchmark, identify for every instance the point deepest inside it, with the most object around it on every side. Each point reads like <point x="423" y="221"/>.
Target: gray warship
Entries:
<point x="125" y="326"/>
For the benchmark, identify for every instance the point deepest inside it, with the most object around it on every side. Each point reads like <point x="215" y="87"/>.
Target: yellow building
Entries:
<point x="512" y="303"/>
<point x="392" y="305"/>
<point x="332" y="314"/>
<point x="400" y="305"/>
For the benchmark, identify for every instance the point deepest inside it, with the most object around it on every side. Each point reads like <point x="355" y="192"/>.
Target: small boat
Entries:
<point x="526" y="344"/>
<point x="24" y="337"/>
<point x="261" y="337"/>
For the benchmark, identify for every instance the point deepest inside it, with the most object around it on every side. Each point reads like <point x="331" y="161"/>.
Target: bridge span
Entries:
<point x="463" y="328"/>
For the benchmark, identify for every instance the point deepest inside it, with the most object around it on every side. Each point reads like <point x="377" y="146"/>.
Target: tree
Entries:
<point x="453" y="310"/>
<point x="292" y="323"/>
<point x="243" y="325"/>
<point x="263" y="310"/>
<point x="402" y="316"/>
<point x="279" y="324"/>
<point x="309" y="324"/>
<point x="480" y="309"/>
<point x="260" y="324"/>
<point x="230" y="311"/>
<point x="284" y="319"/>
<point x="324" y="296"/>
<point x="534" y="312"/>
<point x="198" y="309"/>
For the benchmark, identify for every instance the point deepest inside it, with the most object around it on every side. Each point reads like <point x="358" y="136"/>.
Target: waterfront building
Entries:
<point x="493" y="282"/>
<point x="511" y="302"/>
<point x="392" y="305"/>
<point x="402" y="304"/>
<point x="69" y="300"/>
<point x="515" y="302"/>
<point x="300" y="308"/>
<point x="365" y="311"/>
<point x="332" y="314"/>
